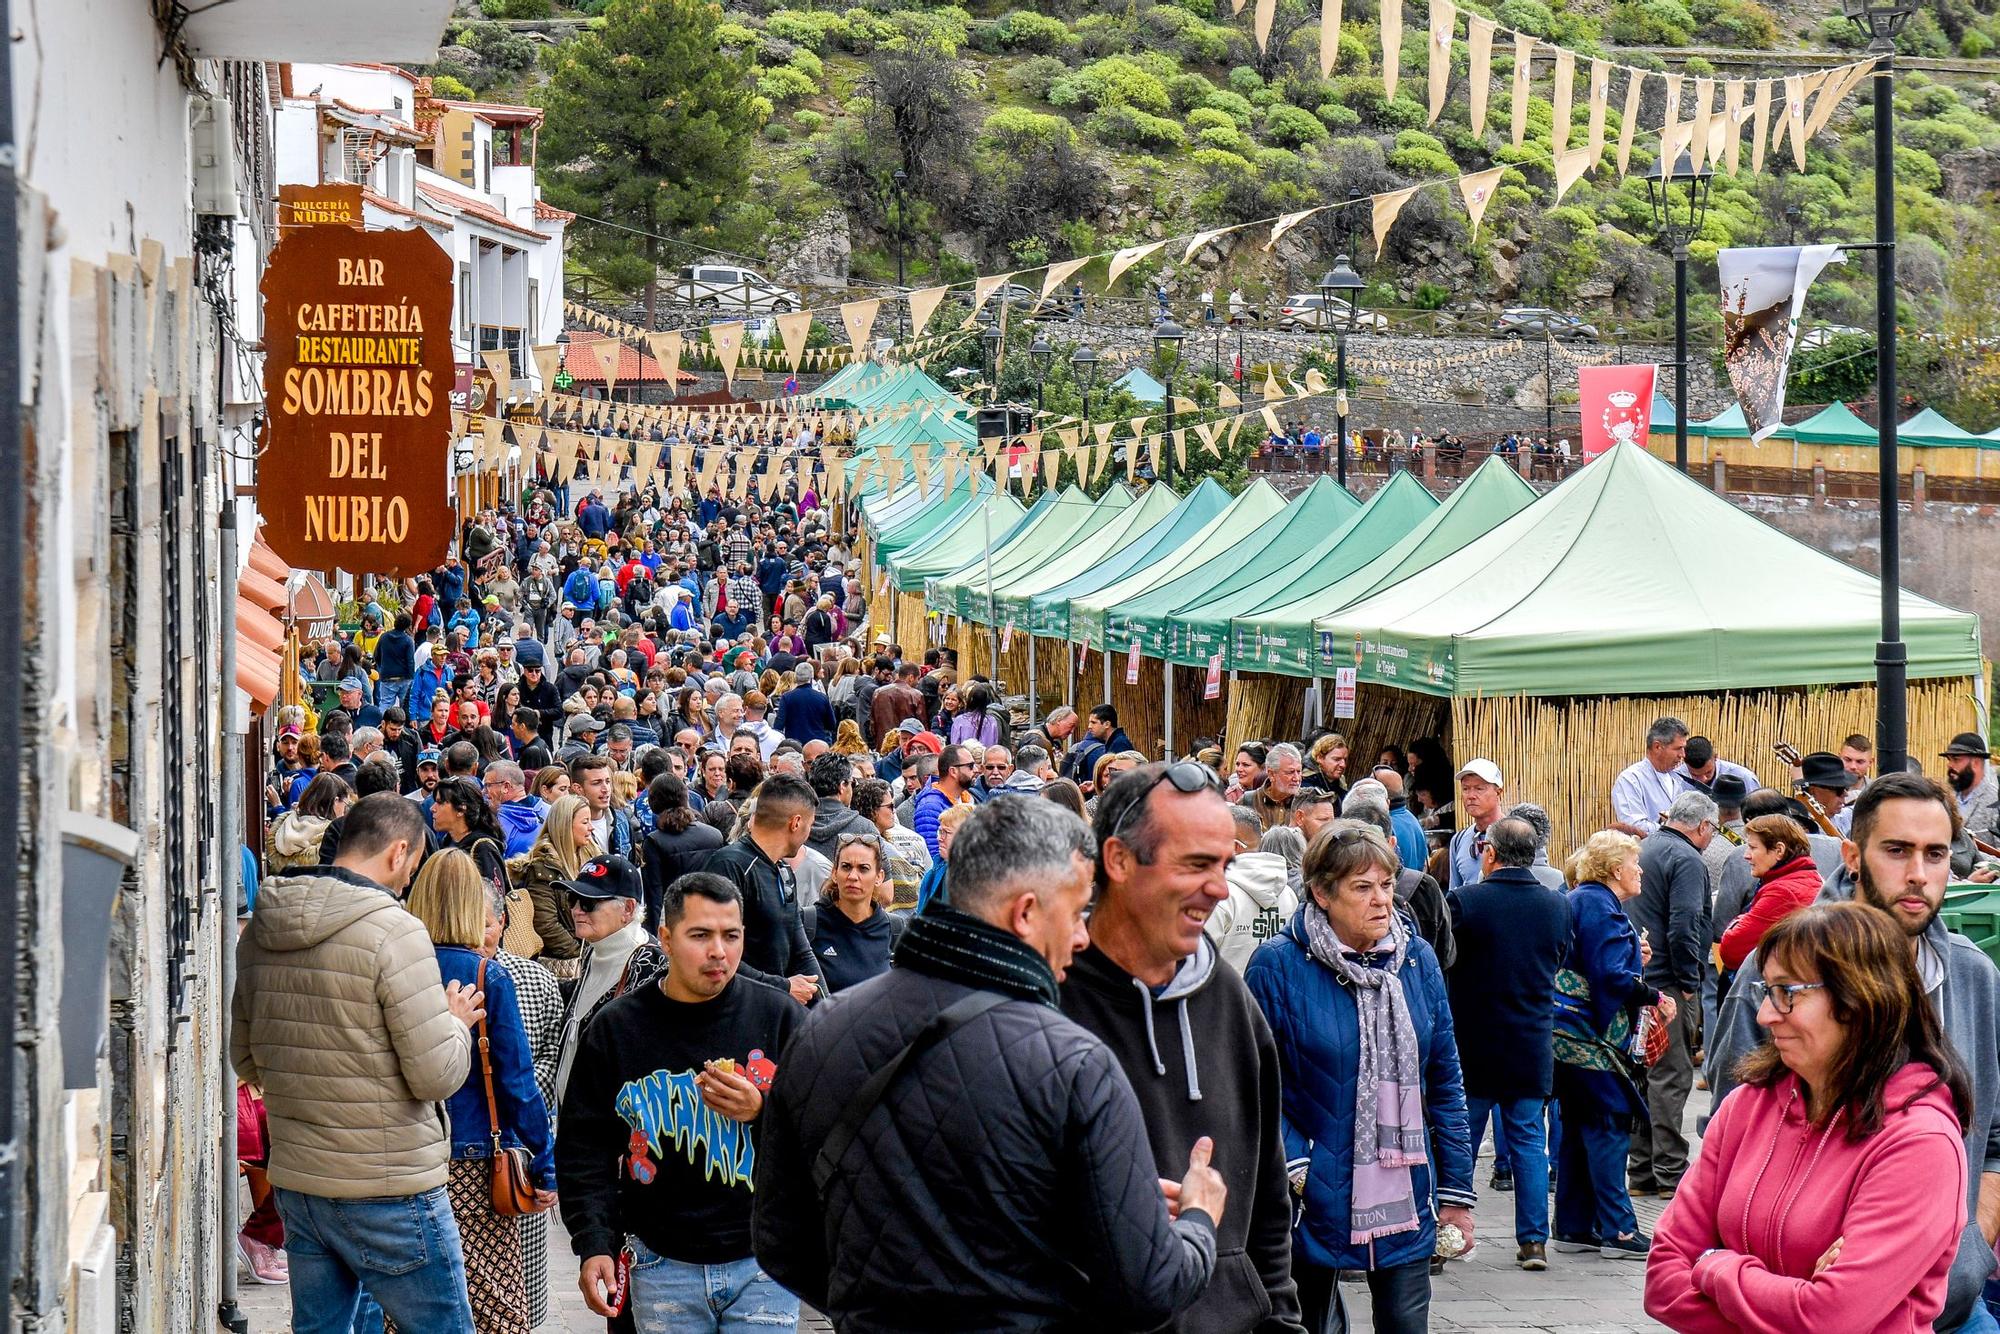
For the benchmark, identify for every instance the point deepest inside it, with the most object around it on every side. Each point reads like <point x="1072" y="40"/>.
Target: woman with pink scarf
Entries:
<point x="1373" y="1110"/>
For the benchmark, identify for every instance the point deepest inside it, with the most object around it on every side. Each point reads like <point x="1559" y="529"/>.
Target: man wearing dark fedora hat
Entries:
<point x="1823" y="778"/>
<point x="1968" y="766"/>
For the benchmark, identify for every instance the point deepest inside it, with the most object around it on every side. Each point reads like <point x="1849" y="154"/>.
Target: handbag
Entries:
<point x="1650" y="1038"/>
<point x="513" y="1180"/>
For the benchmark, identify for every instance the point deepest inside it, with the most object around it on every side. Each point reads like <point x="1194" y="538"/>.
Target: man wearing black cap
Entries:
<point x="1966" y="762"/>
<point x="604" y="903"/>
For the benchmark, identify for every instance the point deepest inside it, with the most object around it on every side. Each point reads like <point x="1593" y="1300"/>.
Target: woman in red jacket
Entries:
<point x="1781" y="859"/>
<point x="1830" y="1189"/>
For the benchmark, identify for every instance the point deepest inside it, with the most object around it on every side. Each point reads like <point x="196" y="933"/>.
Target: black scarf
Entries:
<point x="961" y="948"/>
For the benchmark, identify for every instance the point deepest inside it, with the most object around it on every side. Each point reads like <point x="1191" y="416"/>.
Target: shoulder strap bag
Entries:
<point x="841" y="1138"/>
<point x="513" y="1177"/>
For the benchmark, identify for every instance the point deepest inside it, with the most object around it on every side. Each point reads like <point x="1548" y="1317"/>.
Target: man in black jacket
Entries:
<point x="775" y="948"/>
<point x="1672" y="912"/>
<point x="1513" y="932"/>
<point x="1203" y="1062"/>
<point x="398" y="740"/>
<point x="1001" y="1180"/>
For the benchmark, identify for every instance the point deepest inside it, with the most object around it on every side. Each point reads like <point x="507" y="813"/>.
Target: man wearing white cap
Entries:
<point x="1480" y="791"/>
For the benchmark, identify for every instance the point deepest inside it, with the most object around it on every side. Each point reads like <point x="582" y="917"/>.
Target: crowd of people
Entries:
<point x="627" y="872"/>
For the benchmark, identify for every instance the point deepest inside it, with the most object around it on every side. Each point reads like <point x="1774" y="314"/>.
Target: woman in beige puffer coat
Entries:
<point x="294" y="837"/>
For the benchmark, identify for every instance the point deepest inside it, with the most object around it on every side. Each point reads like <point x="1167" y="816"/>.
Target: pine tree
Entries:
<point x="648" y="128"/>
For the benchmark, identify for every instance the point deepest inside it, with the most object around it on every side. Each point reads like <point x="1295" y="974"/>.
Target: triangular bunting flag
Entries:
<point x="1571" y="164"/>
<point x="727" y="340"/>
<point x="605" y="351"/>
<point x="1635" y="87"/>
<point x="1477" y="189"/>
<point x="502" y="368"/>
<point x="1260" y="22"/>
<point x="1600" y="105"/>
<point x="1126" y="258"/>
<point x="1443" y="14"/>
<point x="1288" y="221"/>
<point x="1524" y="68"/>
<point x="983" y="288"/>
<point x="792" y="330"/>
<point x="859" y="318"/>
<point x="1392" y="45"/>
<point x="924" y="304"/>
<point x="666" y="350"/>
<point x="1384" y="209"/>
<point x="1559" y="100"/>
<point x="1704" y="116"/>
<point x="1329" y="36"/>
<point x="1201" y="239"/>
<point x="1479" y="46"/>
<point x="1059" y="273"/>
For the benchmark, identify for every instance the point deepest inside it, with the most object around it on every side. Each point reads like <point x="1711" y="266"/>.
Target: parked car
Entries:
<point x="1308" y="310"/>
<point x="1029" y="303"/>
<point x="1517" y="321"/>
<point x="714" y="286"/>
<point x="1823" y="335"/>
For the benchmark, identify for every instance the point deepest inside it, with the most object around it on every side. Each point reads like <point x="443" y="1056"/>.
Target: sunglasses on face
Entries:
<point x="577" y="901"/>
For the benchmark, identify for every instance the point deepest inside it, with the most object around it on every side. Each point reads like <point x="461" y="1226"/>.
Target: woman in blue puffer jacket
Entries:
<point x="1357" y="1004"/>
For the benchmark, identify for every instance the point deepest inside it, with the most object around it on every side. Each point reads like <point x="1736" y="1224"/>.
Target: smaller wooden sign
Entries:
<point x="333" y="204"/>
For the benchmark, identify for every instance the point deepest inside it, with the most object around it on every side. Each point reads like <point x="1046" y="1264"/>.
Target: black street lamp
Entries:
<point x="1340" y="305"/>
<point x="1881" y="20"/>
<point x="1677" y="219"/>
<point x="1083" y="365"/>
<point x="902" y="311"/>
<point x="1167" y="340"/>
<point x="990" y="338"/>
<point x="1040" y="357"/>
<point x="1792" y="216"/>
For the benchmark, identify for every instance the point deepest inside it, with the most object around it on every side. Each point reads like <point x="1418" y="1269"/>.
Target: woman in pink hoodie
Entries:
<point x="1830" y="1191"/>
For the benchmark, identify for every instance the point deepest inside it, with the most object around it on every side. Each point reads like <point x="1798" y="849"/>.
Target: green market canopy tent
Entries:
<point x="1930" y="427"/>
<point x="1014" y="602"/>
<point x="1631" y="579"/>
<point x="1728" y="422"/>
<point x="849" y="378"/>
<point x="1140" y="386"/>
<point x="1834" y="424"/>
<point x="941" y="511"/>
<point x="1150" y="617"/>
<point x="1221" y="539"/>
<point x="1067" y="517"/>
<point x="1048" y="609"/>
<point x="951" y="544"/>
<point x="1277" y="635"/>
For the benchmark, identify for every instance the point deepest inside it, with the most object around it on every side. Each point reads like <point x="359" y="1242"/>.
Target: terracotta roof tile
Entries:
<point x="581" y="362"/>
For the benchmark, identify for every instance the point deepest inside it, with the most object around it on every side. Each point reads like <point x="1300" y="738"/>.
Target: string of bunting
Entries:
<point x="1390" y="365"/>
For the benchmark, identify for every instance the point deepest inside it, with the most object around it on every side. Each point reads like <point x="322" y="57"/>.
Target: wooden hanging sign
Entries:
<point x="358" y="375"/>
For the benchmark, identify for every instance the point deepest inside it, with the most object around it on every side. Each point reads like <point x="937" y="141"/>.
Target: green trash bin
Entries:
<point x="1974" y="912"/>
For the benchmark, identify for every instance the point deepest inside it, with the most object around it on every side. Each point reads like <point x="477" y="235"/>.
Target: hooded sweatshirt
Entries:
<point x="1965" y="986"/>
<point x="295" y="840"/>
<point x="521" y="821"/>
<point x="1202" y="1061"/>
<point x="1770" y="1192"/>
<point x="832" y="818"/>
<point x="1261" y="900"/>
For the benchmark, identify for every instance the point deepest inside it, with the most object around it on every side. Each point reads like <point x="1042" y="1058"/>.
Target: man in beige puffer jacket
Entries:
<point x="342" y="1019"/>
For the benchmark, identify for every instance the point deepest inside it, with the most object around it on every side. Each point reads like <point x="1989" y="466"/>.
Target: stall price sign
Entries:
<point x="1132" y="666"/>
<point x="358" y="376"/>
<point x="1343" y="692"/>
<point x="1212" y="688"/>
<point x="1007" y="637"/>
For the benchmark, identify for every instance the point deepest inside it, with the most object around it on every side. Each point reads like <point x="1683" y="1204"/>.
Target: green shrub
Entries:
<point x="782" y="84"/>
<point x="1033" y="77"/>
<point x="1355" y="55"/>
<point x="1431" y="296"/>
<point x="1289" y="127"/>
<point x="736" y="36"/>
<point x="777" y="132"/>
<point x="1423" y="162"/>
<point x="1019" y="131"/>
<point x="1225" y="137"/>
<point x="808" y="64"/>
<point x="1651" y="23"/>
<point x="1205" y="43"/>
<point x="808" y="120"/>
<point x="1739" y="23"/>
<point x="1235" y="105"/>
<point x="1529" y="16"/>
<point x="1244" y="81"/>
<point x="1104" y="34"/>
<point x="1186" y="91"/>
<point x="1219" y="165"/>
<point x="1205" y="118"/>
<point x="1115" y="81"/>
<point x="1937" y="137"/>
<point x="1914" y="167"/>
<point x="516" y="9"/>
<point x="1337" y="116"/>
<point x="1403" y="110"/>
<point x="1974" y="44"/>
<point x="1025" y="30"/>
<point x="452" y="90"/>
<point x="804" y="29"/>
<point x="1127" y="125"/>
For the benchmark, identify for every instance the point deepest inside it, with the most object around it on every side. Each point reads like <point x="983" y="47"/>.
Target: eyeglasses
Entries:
<point x="588" y="905"/>
<point x="1784" y="995"/>
<point x="1186" y="776"/>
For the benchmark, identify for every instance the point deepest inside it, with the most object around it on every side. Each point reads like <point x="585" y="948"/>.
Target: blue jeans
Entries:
<point x="1981" y="1321"/>
<point x="1399" y="1298"/>
<point x="390" y="693"/>
<point x="1591" y="1198"/>
<point x="671" y="1297"/>
<point x="1527" y="1156"/>
<point x="403" y="1249"/>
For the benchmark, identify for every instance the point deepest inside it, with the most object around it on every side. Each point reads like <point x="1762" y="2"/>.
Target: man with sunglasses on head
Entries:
<point x="1897" y="860"/>
<point x="1184" y="1028"/>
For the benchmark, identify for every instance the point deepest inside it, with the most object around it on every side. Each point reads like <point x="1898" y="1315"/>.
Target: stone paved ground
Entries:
<point x="1577" y="1294"/>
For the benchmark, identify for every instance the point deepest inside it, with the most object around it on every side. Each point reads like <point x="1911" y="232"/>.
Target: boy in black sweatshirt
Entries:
<point x="658" y="1140"/>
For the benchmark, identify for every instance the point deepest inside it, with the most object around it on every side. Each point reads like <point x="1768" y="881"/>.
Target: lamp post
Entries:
<point x="990" y="338"/>
<point x="1677" y="219"/>
<point x="902" y="311"/>
<point x="1040" y="357"/>
<point x="1881" y="20"/>
<point x="1167" y="340"/>
<point x="1339" y="302"/>
<point x="1792" y="216"/>
<point x="1083" y="365"/>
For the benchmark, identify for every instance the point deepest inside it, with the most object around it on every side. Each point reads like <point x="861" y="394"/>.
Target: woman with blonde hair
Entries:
<point x="559" y="853"/>
<point x="847" y="739"/>
<point x="455" y="904"/>
<point x="1598" y="999"/>
<point x="552" y="783"/>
